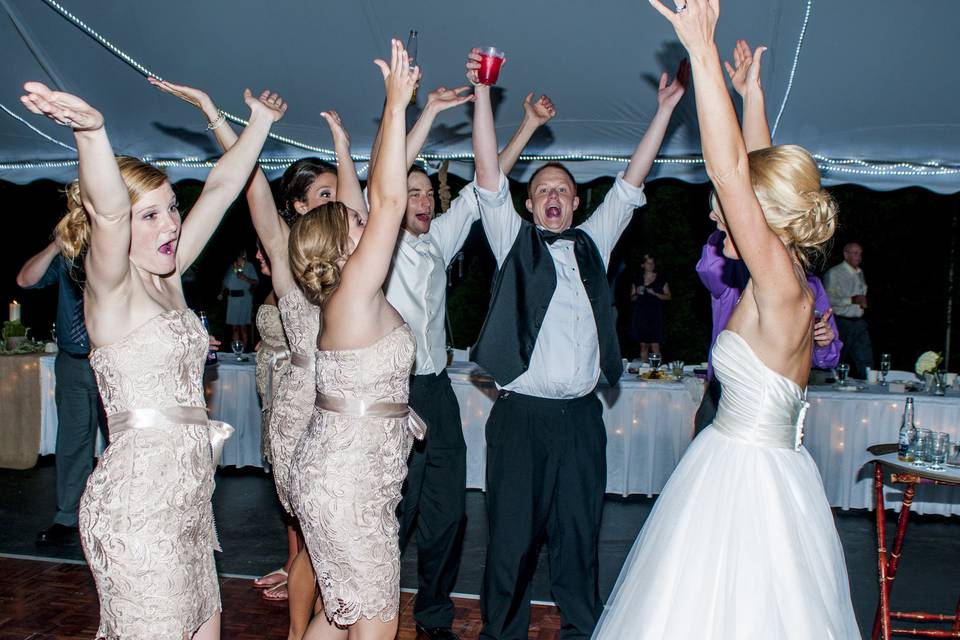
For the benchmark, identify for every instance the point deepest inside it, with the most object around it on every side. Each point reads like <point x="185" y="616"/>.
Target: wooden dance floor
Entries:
<point x="41" y="600"/>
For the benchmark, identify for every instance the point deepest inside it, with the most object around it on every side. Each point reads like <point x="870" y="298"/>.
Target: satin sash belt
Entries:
<point x="779" y="436"/>
<point x="148" y="418"/>
<point x="277" y="359"/>
<point x="364" y="409"/>
<point x="301" y="360"/>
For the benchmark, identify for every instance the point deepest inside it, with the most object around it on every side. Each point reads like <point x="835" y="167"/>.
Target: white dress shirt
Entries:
<point x="417" y="283"/>
<point x="842" y="282"/>
<point x="565" y="362"/>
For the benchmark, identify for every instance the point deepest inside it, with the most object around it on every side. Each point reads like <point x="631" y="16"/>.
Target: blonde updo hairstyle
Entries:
<point x="73" y="230"/>
<point x="319" y="239"/>
<point x="797" y="208"/>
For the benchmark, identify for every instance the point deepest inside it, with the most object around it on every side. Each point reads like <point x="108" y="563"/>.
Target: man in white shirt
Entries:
<point x="847" y="289"/>
<point x="548" y="335"/>
<point x="435" y="490"/>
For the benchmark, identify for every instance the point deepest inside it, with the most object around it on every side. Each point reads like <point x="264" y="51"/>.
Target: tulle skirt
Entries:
<point x="740" y="545"/>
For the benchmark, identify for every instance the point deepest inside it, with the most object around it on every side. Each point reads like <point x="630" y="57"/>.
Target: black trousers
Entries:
<point x="434" y="498"/>
<point x="857" y="349"/>
<point x="79" y="415"/>
<point x="707" y="410"/>
<point x="546" y="476"/>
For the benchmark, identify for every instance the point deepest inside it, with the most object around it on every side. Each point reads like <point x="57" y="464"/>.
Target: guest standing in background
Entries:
<point x="238" y="282"/>
<point x="648" y="294"/>
<point x="79" y="410"/>
<point x="847" y="289"/>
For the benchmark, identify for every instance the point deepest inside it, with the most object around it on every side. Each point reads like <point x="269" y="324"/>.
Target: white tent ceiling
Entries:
<point x="860" y="83"/>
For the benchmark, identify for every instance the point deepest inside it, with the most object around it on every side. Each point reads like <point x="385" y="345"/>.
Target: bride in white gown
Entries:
<point x="741" y="544"/>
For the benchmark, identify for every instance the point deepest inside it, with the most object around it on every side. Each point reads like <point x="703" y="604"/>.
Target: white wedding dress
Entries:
<point x="741" y="544"/>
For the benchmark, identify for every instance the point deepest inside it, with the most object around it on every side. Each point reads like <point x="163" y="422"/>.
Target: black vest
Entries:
<point x="522" y="290"/>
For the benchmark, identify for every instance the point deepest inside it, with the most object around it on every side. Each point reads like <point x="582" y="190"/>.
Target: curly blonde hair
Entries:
<point x="319" y="240"/>
<point x="797" y="208"/>
<point x="73" y="230"/>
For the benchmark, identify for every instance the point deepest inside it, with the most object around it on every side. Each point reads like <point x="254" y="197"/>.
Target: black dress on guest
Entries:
<point x="646" y="325"/>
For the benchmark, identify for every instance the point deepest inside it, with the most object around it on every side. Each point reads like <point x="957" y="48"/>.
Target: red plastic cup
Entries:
<point x="491" y="59"/>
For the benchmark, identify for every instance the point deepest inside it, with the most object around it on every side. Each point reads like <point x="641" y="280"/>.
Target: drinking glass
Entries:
<point x="491" y="59"/>
<point x="655" y="361"/>
<point x="237" y="347"/>
<point x="676" y="368"/>
<point x="884" y="367"/>
<point x="919" y="447"/>
<point x="938" y="446"/>
<point x="843" y="370"/>
<point x="953" y="455"/>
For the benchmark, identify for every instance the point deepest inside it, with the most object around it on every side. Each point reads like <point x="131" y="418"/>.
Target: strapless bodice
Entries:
<point x="758" y="405"/>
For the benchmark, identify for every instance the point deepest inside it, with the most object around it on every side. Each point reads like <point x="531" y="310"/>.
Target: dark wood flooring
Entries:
<point x="42" y="600"/>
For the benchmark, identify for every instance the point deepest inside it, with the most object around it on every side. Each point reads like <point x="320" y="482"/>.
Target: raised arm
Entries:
<point x="484" y="133"/>
<point x="34" y="269"/>
<point x="271" y="230"/>
<point x="102" y="190"/>
<point x="725" y="156"/>
<point x="366" y="269"/>
<point x="535" y="115"/>
<point x="668" y="96"/>
<point x="228" y="177"/>
<point x="440" y="99"/>
<point x="349" y="191"/>
<point x="745" y="77"/>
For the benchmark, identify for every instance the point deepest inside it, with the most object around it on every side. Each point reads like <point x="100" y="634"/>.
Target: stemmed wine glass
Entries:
<point x="884" y="367"/>
<point x="237" y="347"/>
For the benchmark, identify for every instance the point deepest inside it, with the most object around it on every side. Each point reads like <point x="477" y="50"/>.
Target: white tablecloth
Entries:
<point x="649" y="425"/>
<point x="841" y="425"/>
<point x="231" y="393"/>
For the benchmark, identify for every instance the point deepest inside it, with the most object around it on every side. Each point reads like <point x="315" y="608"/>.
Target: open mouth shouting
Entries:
<point x="167" y="248"/>
<point x="553" y="212"/>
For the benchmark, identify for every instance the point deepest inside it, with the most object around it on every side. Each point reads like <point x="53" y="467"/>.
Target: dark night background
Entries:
<point x="906" y="237"/>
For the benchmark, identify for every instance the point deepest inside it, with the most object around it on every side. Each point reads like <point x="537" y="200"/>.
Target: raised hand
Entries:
<point x="539" y="112"/>
<point x="63" y="108"/>
<point x="399" y="78"/>
<point x="196" y="97"/>
<point x="745" y="71"/>
<point x="336" y="127"/>
<point x="473" y="67"/>
<point x="668" y="95"/>
<point x="441" y="98"/>
<point x="268" y="104"/>
<point x="694" y="21"/>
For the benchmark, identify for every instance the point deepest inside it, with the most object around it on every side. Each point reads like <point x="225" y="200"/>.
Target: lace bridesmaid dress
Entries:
<point x="273" y="359"/>
<point x="347" y="473"/>
<point x="741" y="544"/>
<point x="296" y="389"/>
<point x="146" y="520"/>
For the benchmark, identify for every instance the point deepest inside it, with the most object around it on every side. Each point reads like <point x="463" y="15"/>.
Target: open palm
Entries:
<point x="63" y="108"/>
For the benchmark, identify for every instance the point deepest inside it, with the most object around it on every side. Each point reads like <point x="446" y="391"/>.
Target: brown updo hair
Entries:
<point x="319" y="240"/>
<point x="73" y="230"/>
<point x="797" y="208"/>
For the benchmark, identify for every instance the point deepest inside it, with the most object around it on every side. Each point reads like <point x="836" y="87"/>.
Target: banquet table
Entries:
<point x="230" y="388"/>
<point x="649" y="426"/>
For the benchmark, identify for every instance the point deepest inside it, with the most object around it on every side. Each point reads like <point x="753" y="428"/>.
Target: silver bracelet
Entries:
<point x="219" y="120"/>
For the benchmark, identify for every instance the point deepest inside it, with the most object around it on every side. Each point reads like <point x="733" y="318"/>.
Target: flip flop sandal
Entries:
<point x="276" y="593"/>
<point x="272" y="579"/>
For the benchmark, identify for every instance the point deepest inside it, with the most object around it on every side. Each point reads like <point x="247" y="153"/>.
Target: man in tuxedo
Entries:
<point x="548" y="335"/>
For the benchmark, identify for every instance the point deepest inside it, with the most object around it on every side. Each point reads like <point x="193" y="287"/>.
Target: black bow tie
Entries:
<point x="550" y="237"/>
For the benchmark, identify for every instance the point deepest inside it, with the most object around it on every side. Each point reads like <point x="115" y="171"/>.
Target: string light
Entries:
<point x="793" y="68"/>
<point x="840" y="166"/>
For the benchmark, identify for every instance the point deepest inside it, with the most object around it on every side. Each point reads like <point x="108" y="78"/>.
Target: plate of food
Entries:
<point x="655" y="376"/>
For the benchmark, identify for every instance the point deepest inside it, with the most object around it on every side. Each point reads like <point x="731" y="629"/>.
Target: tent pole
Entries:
<point x="950" y="272"/>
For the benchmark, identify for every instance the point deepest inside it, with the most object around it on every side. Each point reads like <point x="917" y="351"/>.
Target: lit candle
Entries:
<point x="14" y="311"/>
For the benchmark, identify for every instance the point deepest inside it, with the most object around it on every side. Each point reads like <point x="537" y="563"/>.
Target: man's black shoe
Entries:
<point x="58" y="535"/>
<point x="437" y="633"/>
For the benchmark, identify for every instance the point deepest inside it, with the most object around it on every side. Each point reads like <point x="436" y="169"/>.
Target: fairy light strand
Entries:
<point x="35" y="130"/>
<point x="793" y="68"/>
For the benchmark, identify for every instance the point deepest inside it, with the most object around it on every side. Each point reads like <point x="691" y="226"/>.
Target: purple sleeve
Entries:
<point x="824" y="357"/>
<point x="710" y="266"/>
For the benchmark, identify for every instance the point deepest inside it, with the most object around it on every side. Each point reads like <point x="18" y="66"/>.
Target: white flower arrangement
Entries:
<point x="928" y="362"/>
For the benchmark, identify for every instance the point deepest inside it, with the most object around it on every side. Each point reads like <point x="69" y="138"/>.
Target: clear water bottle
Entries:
<point x="907" y="433"/>
<point x="211" y="354"/>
